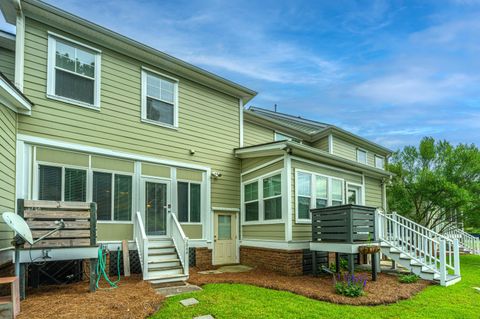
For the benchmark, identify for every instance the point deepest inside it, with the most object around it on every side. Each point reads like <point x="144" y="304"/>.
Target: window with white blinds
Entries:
<point x="73" y="72"/>
<point x="113" y="194"/>
<point x="62" y="183"/>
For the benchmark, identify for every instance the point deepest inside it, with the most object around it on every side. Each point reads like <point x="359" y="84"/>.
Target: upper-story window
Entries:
<point x="159" y="99"/>
<point x="361" y="156"/>
<point x="73" y="72"/>
<point x="379" y="162"/>
<point x="285" y="137"/>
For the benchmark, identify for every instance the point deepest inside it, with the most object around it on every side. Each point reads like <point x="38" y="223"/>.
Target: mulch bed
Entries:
<point x="385" y="290"/>
<point x="133" y="298"/>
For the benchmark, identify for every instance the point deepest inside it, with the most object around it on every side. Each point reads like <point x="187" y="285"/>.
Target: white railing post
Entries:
<point x="443" y="266"/>
<point x="141" y="240"/>
<point x="456" y="257"/>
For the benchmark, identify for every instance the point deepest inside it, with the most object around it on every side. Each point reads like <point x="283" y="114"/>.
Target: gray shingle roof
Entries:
<point x="294" y="122"/>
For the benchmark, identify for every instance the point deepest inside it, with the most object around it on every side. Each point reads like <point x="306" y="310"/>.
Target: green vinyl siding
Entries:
<point x="254" y="134"/>
<point x="189" y="175"/>
<point x="262" y="171"/>
<point x="114" y="232"/>
<point x="208" y="119"/>
<point x="112" y="164"/>
<point x="192" y="231"/>
<point x="304" y="231"/>
<point x="156" y="170"/>
<point x="348" y="150"/>
<point x="251" y="163"/>
<point x="321" y="144"/>
<point x="7" y="63"/>
<point x="264" y="232"/>
<point x="8" y="124"/>
<point x="373" y="192"/>
<point x="51" y="155"/>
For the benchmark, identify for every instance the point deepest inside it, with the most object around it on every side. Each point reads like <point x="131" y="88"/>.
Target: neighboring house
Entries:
<point x="136" y="130"/>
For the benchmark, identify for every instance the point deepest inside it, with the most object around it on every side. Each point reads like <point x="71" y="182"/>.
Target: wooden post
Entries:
<point x="126" y="259"/>
<point x="351" y="263"/>
<point x="35" y="276"/>
<point x="314" y="262"/>
<point x="337" y="263"/>
<point x="93" y="277"/>
<point x="374" y="267"/>
<point x="93" y="224"/>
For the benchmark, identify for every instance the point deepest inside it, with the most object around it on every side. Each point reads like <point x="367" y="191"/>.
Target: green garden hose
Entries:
<point x="101" y="264"/>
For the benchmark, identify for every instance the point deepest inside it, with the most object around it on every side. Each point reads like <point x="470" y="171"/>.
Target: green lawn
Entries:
<point x="244" y="301"/>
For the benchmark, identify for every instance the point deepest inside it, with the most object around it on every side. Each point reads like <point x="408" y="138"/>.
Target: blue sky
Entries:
<point x="390" y="71"/>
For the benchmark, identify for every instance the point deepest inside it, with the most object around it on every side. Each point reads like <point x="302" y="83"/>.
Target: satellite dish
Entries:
<point x="19" y="225"/>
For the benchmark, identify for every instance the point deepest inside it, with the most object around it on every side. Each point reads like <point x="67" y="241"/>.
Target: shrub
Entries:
<point x="350" y="285"/>
<point x="408" y="279"/>
<point x="343" y="265"/>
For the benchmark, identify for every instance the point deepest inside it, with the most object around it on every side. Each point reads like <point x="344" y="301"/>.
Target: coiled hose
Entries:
<point x="101" y="271"/>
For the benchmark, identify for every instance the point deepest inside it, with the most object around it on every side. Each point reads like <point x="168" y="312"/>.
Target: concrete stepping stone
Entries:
<point x="189" y="302"/>
<point x="204" y="317"/>
<point x="177" y="290"/>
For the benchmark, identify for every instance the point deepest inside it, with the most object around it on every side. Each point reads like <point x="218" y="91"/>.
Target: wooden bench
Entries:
<point x="10" y="305"/>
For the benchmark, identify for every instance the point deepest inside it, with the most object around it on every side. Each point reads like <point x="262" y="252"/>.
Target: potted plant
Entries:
<point x="370" y="247"/>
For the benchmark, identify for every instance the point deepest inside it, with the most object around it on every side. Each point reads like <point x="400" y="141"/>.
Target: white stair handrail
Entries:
<point x="466" y="240"/>
<point x="180" y="241"/>
<point x="141" y="240"/>
<point x="422" y="245"/>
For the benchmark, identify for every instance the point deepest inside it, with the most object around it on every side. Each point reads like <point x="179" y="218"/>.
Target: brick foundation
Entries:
<point x="203" y="258"/>
<point x="289" y="262"/>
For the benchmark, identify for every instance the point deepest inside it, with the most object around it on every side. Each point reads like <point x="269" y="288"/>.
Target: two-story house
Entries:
<point x="165" y="149"/>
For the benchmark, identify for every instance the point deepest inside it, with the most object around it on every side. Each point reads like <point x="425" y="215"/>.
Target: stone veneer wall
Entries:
<point x="289" y="262"/>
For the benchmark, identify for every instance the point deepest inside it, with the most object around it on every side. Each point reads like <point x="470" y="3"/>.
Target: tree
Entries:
<point x="436" y="184"/>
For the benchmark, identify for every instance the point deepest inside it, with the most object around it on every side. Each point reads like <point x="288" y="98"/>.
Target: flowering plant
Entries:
<point x="350" y="285"/>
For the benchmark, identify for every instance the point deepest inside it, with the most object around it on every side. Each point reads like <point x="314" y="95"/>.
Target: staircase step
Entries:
<point x="161" y="272"/>
<point x="163" y="260"/>
<point x="163" y="268"/>
<point x="168" y="278"/>
<point x="161" y="250"/>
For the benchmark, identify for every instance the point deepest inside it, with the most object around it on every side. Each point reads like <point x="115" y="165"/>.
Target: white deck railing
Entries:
<point x="466" y="240"/>
<point x="428" y="248"/>
<point x="141" y="240"/>
<point x="180" y="241"/>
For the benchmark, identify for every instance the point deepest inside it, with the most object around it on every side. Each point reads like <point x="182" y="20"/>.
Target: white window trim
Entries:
<point x="112" y="213"/>
<point x="261" y="211"/>
<point x="366" y="155"/>
<point x="189" y="182"/>
<point x="251" y="201"/>
<point x="144" y="119"/>
<point x="313" y="191"/>
<point x="52" y="38"/>
<point x="375" y="161"/>
<point x="361" y="195"/>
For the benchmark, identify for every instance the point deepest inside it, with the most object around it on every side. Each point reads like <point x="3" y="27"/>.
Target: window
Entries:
<point x="159" y="99"/>
<point x="251" y="201"/>
<point x="321" y="192"/>
<point x="337" y="192"/>
<point x="316" y="191"/>
<point x="263" y="199"/>
<point x="285" y="137"/>
<point x="113" y="194"/>
<point x="272" y="197"/>
<point x="361" y="156"/>
<point x="354" y="194"/>
<point x="379" y="162"/>
<point x="73" y="72"/>
<point x="62" y="184"/>
<point x="189" y="202"/>
<point x="304" y="184"/>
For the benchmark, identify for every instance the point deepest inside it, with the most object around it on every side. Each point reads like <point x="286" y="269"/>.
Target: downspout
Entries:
<point x="19" y="45"/>
<point x="240" y="104"/>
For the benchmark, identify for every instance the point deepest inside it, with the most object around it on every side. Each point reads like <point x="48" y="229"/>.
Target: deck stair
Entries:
<point x="163" y="259"/>
<point x="426" y="253"/>
<point x="469" y="244"/>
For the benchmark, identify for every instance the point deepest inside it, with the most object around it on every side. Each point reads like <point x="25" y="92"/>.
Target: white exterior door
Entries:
<point x="155" y="203"/>
<point x="225" y="238"/>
